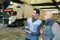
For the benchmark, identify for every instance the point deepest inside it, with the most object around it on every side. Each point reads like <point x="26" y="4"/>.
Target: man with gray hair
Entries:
<point x="51" y="30"/>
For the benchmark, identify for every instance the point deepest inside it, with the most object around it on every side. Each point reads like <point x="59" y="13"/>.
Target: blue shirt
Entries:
<point x="34" y="27"/>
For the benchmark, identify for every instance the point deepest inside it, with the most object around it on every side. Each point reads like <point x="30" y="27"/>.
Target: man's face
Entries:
<point x="46" y="15"/>
<point x="34" y="13"/>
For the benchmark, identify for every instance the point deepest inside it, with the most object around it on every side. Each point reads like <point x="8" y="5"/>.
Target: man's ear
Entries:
<point x="37" y="14"/>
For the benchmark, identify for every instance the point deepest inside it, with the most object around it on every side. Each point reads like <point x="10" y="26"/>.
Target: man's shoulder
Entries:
<point x="40" y="20"/>
<point x="29" y="18"/>
<point x="55" y="23"/>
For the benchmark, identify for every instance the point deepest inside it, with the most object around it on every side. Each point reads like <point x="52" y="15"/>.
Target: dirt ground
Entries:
<point x="11" y="33"/>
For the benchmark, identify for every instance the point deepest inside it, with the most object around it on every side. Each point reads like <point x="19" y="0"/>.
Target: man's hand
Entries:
<point x="28" y="31"/>
<point x="26" y="27"/>
<point x="41" y="31"/>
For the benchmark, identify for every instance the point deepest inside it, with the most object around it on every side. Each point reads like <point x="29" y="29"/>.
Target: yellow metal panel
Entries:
<point x="46" y="6"/>
<point x="36" y="1"/>
<point x="40" y="1"/>
<point x="26" y="1"/>
<point x="57" y="0"/>
<point x="43" y="6"/>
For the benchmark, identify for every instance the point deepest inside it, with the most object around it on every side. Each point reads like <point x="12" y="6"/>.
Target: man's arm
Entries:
<point x="41" y="29"/>
<point x="25" y="26"/>
<point x="56" y="29"/>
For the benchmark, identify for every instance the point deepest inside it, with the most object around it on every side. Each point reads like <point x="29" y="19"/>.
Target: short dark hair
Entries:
<point x="37" y="11"/>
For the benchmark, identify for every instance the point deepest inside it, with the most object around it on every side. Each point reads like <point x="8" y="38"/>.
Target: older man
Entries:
<point x="51" y="29"/>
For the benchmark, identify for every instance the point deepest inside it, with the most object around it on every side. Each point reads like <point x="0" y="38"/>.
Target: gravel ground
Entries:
<point x="11" y="33"/>
<point x="8" y="33"/>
